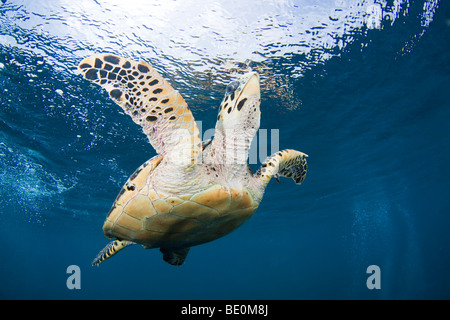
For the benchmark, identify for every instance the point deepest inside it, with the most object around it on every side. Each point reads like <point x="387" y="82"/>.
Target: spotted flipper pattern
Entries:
<point x="287" y="163"/>
<point x="111" y="249"/>
<point x="150" y="101"/>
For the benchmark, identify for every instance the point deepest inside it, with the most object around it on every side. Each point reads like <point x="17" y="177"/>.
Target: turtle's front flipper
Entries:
<point x="287" y="163"/>
<point x="111" y="249"/>
<point x="174" y="257"/>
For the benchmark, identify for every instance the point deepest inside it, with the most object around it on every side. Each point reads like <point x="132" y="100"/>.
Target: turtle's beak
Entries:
<point x="251" y="87"/>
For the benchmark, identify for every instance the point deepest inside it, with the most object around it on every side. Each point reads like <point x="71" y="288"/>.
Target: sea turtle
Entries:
<point x="191" y="192"/>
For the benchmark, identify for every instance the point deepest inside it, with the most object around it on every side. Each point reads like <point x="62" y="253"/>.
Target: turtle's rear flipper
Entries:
<point x="111" y="249"/>
<point x="174" y="257"/>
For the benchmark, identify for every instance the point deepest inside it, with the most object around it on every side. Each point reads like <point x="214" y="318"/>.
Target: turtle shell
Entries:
<point x="154" y="220"/>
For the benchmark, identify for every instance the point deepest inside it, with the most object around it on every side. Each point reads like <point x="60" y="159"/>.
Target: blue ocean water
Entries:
<point x="360" y="86"/>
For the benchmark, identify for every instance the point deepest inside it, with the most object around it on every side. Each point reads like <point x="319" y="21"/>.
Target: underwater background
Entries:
<point x="361" y="86"/>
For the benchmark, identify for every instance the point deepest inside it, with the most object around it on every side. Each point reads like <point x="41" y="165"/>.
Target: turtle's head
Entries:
<point x="239" y="110"/>
<point x="237" y="123"/>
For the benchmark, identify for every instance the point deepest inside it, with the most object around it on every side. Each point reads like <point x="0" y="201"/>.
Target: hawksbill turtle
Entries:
<point x="191" y="192"/>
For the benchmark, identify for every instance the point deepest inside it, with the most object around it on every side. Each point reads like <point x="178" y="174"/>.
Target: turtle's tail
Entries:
<point x="111" y="249"/>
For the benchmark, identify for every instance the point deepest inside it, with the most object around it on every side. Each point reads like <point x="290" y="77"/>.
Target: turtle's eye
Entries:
<point x="232" y="86"/>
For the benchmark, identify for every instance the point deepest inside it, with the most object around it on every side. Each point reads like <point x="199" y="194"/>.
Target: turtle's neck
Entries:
<point x="226" y="157"/>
